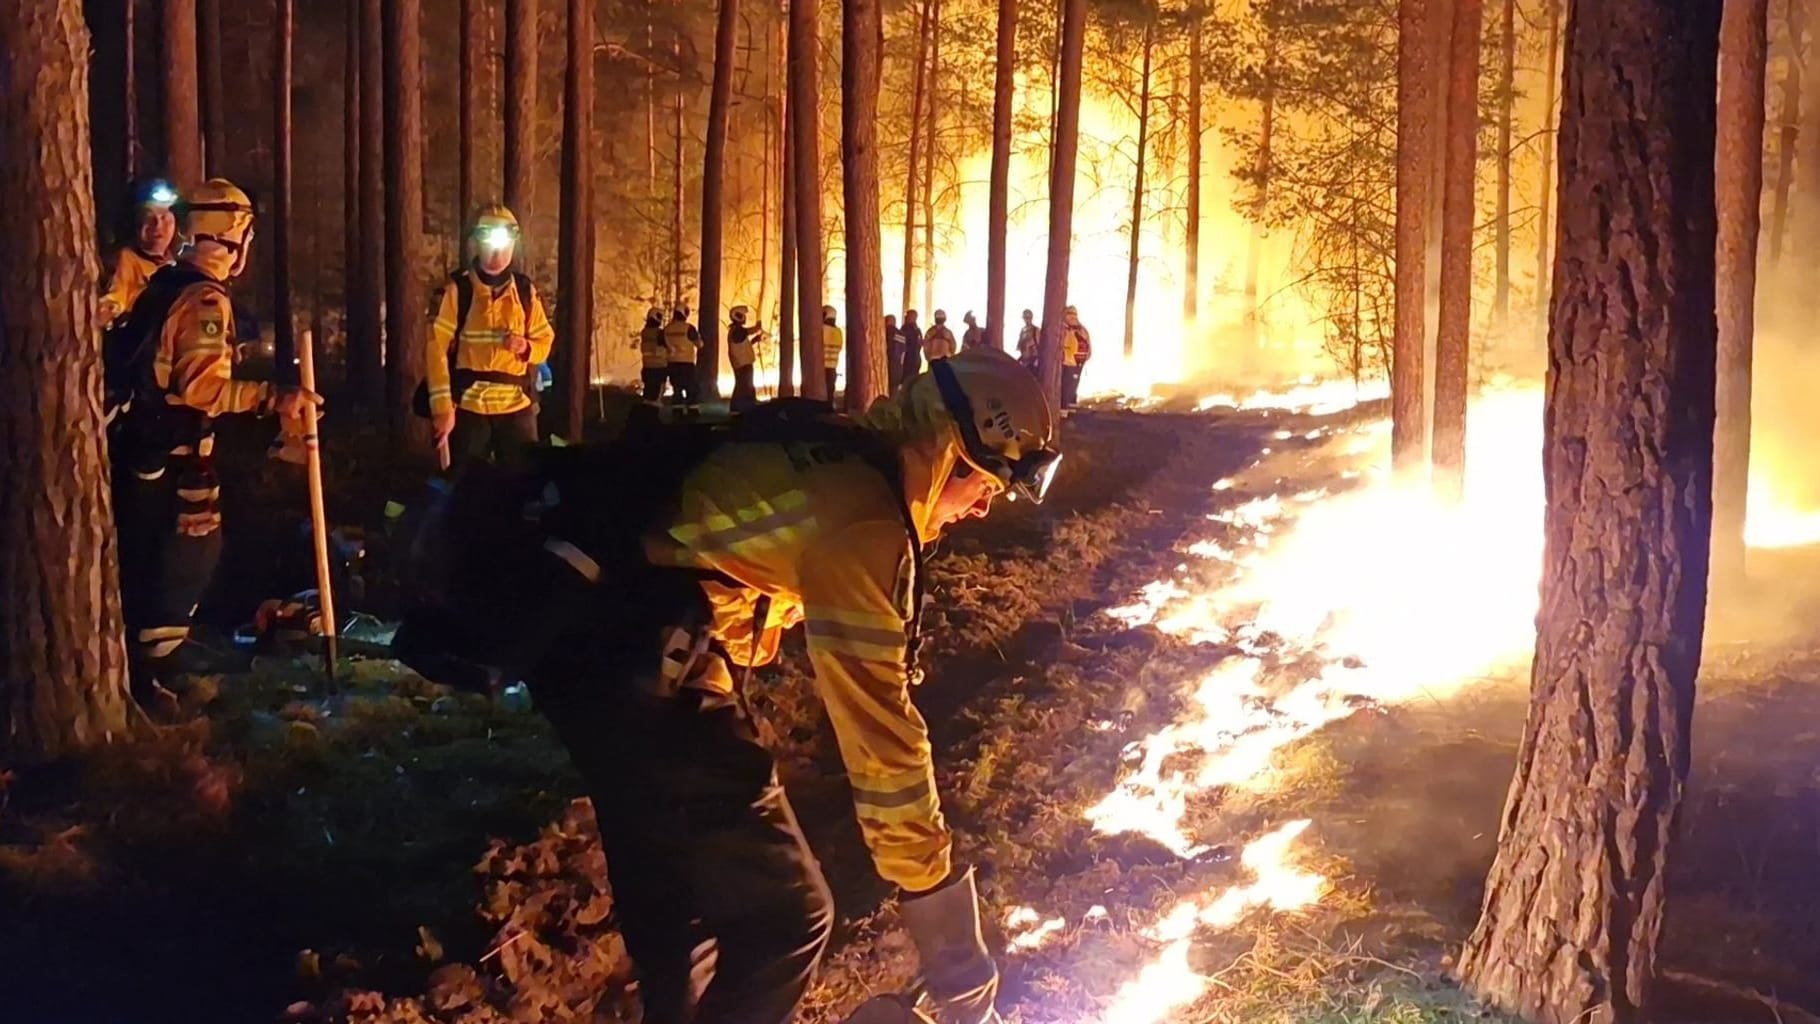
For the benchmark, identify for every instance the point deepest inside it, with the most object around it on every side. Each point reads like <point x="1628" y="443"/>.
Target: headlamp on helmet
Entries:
<point x="158" y="193"/>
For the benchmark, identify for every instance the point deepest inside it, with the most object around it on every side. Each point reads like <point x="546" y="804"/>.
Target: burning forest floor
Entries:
<point x="1211" y="767"/>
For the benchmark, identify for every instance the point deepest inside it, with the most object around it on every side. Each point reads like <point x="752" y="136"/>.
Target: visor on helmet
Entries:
<point x="1029" y="475"/>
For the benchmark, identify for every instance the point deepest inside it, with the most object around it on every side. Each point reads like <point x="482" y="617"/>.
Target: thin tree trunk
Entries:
<point x="805" y="52"/>
<point x="1137" y="190"/>
<point x="62" y="639"/>
<point x="366" y="365"/>
<point x="353" y="302"/>
<point x="1573" y="906"/>
<point x="284" y="342"/>
<point x="1254" y="257"/>
<point x="1545" y="238"/>
<point x="1061" y="196"/>
<point x="1440" y="34"/>
<point x="651" y="145"/>
<point x="714" y="159"/>
<point x="998" y="203"/>
<point x="764" y="202"/>
<point x="676" y="190"/>
<point x="210" y="62"/>
<point x="1738" y="187"/>
<point x="1191" y="277"/>
<point x="1806" y="200"/>
<point x="129" y="61"/>
<point x="1790" y="129"/>
<point x="520" y="109"/>
<point x="931" y="143"/>
<point x="1453" y="337"/>
<point x="1408" y="429"/>
<point x="862" y="46"/>
<point x="920" y="86"/>
<point x="1507" y="102"/>
<point x="182" y="114"/>
<point x="787" y="266"/>
<point x="575" y="235"/>
<point x="403" y="148"/>
<point x="473" y="14"/>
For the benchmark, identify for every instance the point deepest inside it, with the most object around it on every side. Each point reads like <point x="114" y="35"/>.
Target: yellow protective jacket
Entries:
<point x="939" y="342"/>
<point x="1077" y="345"/>
<point x="820" y="533"/>
<point x="494" y="314"/>
<point x="652" y="353"/>
<point x="132" y="269"/>
<point x="682" y="341"/>
<point x="833" y="339"/>
<point x="741" y="339"/>
<point x="194" y="364"/>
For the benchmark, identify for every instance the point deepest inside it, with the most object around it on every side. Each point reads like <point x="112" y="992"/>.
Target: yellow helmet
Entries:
<point x="1005" y="424"/>
<point x="495" y="227"/>
<point x="220" y="212"/>
<point x="828" y="312"/>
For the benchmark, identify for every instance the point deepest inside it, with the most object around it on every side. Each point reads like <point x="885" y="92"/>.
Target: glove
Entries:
<point x="958" y="972"/>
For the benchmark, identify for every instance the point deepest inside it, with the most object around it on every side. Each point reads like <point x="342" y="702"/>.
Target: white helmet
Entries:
<point x="737" y="314"/>
<point x="941" y="316"/>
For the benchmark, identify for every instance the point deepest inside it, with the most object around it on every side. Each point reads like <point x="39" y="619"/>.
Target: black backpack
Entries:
<point x="459" y="379"/>
<point x="139" y="422"/>
<point x="518" y="603"/>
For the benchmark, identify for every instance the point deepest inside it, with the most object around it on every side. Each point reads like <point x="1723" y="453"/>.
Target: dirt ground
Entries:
<point x="398" y="853"/>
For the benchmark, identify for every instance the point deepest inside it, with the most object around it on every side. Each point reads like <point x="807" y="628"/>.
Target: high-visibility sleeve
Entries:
<point x="833" y="340"/>
<point x="856" y="584"/>
<point x="195" y="361"/>
<point x="125" y="281"/>
<point x="436" y="352"/>
<point x="538" y="329"/>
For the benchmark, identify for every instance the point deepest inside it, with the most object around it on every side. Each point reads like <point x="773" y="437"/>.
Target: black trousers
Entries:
<point x="169" y="525"/>
<point x="745" y="393"/>
<point x="501" y="438"/>
<point x="1071" y="386"/>
<point x="652" y="378"/>
<point x="830" y="374"/>
<point x="723" y="908"/>
<point x="682" y="383"/>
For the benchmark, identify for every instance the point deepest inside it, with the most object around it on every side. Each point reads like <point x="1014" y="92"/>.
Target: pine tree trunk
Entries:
<point x="931" y="143"/>
<point x="714" y="160"/>
<point x="787" y="266"/>
<point x="1254" y="257"/>
<point x="210" y="62"/>
<point x="1137" y="190"/>
<point x="1454" y="332"/>
<point x="1545" y="238"/>
<point x="366" y="363"/>
<point x="1191" y="278"/>
<point x="62" y="640"/>
<point x="471" y="57"/>
<point x="805" y="53"/>
<point x="183" y="163"/>
<point x="1738" y="187"/>
<point x="918" y="89"/>
<point x="764" y="201"/>
<point x="284" y="342"/>
<point x="998" y="202"/>
<point x="1440" y="34"/>
<point x="862" y="46"/>
<point x="1806" y="209"/>
<point x="575" y="235"/>
<point x="656" y="256"/>
<point x="353" y="281"/>
<point x="676" y="189"/>
<point x="1507" y="102"/>
<point x="520" y="110"/>
<point x="1061" y="195"/>
<point x="1415" y="141"/>
<point x="403" y="147"/>
<point x="129" y="70"/>
<point x="1789" y="131"/>
<point x="1573" y="905"/>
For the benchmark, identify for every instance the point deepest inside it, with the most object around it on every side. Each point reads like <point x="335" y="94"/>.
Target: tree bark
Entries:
<point x="805" y="52"/>
<point x="1789" y="130"/>
<point x="366" y="362"/>
<point x="1137" y="190"/>
<point x="405" y="306"/>
<point x="210" y="61"/>
<point x="520" y="110"/>
<point x="918" y="88"/>
<point x="575" y="235"/>
<point x="787" y="272"/>
<point x="353" y="281"/>
<point x="1453" y="336"/>
<point x="129" y="68"/>
<point x="931" y="143"/>
<point x="62" y="639"/>
<point x="998" y="203"/>
<point x="470" y="59"/>
<point x="862" y="46"/>
<point x="1191" y="278"/>
<point x="1806" y="210"/>
<point x="1260" y="203"/>
<point x="1573" y="905"/>
<point x="1545" y="238"/>
<point x="1408" y="427"/>
<point x="714" y="169"/>
<point x="676" y="188"/>
<point x="1507" y="103"/>
<point x="1061" y="195"/>
<point x="1738" y="188"/>
<point x="284" y="342"/>
<point x="182" y="106"/>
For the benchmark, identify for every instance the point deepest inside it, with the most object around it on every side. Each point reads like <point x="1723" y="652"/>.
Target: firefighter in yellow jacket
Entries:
<point x="167" y="496"/>
<point x="939" y="342"/>
<point x="833" y="341"/>
<point x="743" y="340"/>
<point x="653" y="356"/>
<point x="683" y="343"/>
<point x="488" y="338"/>
<point x="154" y="240"/>
<point x="720" y="900"/>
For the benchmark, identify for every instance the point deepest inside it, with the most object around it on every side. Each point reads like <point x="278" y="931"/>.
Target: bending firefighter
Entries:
<point x="795" y="515"/>
<point x="488" y="338"/>
<point x="170" y="372"/>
